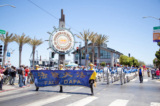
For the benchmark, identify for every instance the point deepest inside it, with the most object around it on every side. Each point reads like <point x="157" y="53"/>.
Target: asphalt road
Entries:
<point x="129" y="94"/>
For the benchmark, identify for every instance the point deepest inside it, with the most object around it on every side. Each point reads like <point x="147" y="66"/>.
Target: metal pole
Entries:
<point x="80" y="54"/>
<point x="87" y="52"/>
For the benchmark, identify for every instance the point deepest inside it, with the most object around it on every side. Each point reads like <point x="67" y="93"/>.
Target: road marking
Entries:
<point x="16" y="96"/>
<point x="158" y="81"/>
<point x="76" y="89"/>
<point x="119" y="102"/>
<point x="97" y="93"/>
<point x="133" y="79"/>
<point x="155" y="104"/>
<point x="83" y="102"/>
<point x="145" y="80"/>
<point x="48" y="100"/>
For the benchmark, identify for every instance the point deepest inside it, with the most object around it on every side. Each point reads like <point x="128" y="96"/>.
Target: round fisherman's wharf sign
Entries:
<point x="61" y="41"/>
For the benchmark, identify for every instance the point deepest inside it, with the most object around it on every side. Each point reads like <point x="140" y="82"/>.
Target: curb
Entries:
<point x="14" y="89"/>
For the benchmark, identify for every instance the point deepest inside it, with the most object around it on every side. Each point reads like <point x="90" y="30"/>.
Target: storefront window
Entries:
<point x="104" y="54"/>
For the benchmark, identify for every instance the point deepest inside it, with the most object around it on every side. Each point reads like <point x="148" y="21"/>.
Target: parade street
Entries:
<point x="114" y="94"/>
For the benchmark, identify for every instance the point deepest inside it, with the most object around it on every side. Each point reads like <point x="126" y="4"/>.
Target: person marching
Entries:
<point x="37" y="68"/>
<point x="141" y="74"/>
<point x="61" y="68"/>
<point x="92" y="78"/>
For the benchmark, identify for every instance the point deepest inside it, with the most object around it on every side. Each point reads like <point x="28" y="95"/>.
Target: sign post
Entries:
<point x="156" y="34"/>
<point x="61" y="40"/>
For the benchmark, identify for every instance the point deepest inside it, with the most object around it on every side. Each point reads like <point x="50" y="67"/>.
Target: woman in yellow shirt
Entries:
<point x="92" y="78"/>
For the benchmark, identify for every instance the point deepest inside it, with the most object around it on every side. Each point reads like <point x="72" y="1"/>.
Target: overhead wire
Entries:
<point x="50" y="14"/>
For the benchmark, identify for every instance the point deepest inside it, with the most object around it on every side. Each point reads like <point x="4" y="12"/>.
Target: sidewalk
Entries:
<point x="8" y="87"/>
<point x="12" y="87"/>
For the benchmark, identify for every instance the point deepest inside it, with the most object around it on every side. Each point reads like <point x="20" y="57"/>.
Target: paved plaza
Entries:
<point x="114" y="94"/>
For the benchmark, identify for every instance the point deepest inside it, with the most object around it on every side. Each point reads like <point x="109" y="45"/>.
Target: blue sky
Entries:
<point x="121" y="20"/>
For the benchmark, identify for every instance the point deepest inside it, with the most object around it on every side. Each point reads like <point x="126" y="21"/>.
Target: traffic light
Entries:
<point x="0" y="49"/>
<point x="77" y="50"/>
<point x="52" y="55"/>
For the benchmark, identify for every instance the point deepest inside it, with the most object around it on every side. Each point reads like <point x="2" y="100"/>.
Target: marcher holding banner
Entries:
<point x="92" y="79"/>
<point x="61" y="68"/>
<point x="37" y="68"/>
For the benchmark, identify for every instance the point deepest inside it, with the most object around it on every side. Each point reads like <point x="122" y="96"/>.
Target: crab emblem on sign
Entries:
<point x="61" y="41"/>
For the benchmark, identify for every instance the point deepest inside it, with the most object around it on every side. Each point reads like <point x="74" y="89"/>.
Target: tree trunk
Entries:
<point x="99" y="56"/>
<point x="86" y="61"/>
<point x="20" y="52"/>
<point x="33" y="57"/>
<point x="93" y="52"/>
<point x="4" y="53"/>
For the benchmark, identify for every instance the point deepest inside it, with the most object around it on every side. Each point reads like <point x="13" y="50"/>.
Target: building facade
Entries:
<point x="107" y="55"/>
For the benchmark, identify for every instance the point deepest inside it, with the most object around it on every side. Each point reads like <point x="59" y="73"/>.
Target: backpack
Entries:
<point x="19" y="71"/>
<point x="6" y="72"/>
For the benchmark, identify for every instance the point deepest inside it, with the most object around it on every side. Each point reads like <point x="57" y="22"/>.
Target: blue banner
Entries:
<point x="61" y="77"/>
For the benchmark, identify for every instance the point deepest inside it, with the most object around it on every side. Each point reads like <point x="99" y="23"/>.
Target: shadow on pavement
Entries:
<point x="62" y="92"/>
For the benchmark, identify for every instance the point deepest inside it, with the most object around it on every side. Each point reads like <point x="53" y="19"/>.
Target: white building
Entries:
<point x="107" y="55"/>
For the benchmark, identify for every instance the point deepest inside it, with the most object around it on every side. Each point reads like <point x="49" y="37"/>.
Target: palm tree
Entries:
<point x="21" y="40"/>
<point x="34" y="43"/>
<point x="93" y="39"/>
<point x="100" y="40"/>
<point x="6" y="39"/>
<point x="85" y="36"/>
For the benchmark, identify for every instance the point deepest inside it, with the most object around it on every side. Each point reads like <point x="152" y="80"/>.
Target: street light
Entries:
<point x="153" y="17"/>
<point x="7" y="5"/>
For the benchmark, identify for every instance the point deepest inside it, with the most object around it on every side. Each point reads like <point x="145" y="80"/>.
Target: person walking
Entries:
<point x="158" y="73"/>
<point x="92" y="79"/>
<point x="37" y="68"/>
<point x="141" y="74"/>
<point x="13" y="75"/>
<point x="61" y="87"/>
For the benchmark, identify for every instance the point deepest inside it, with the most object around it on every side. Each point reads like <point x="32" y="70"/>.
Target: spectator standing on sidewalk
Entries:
<point x="148" y="72"/>
<point x="153" y="71"/>
<point x="141" y="74"/>
<point x="1" y="77"/>
<point x="12" y="75"/>
<point x="29" y="75"/>
<point x="26" y="75"/>
<point x="158" y="73"/>
<point x="21" y="75"/>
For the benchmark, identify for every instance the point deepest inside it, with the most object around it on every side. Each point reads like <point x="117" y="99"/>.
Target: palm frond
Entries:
<point x="35" y="42"/>
<point x="101" y="39"/>
<point x="21" y="40"/>
<point x="7" y="38"/>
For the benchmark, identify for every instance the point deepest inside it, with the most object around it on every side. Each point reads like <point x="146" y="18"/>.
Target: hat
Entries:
<point x="61" y="65"/>
<point x="37" y="65"/>
<point x="91" y="64"/>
